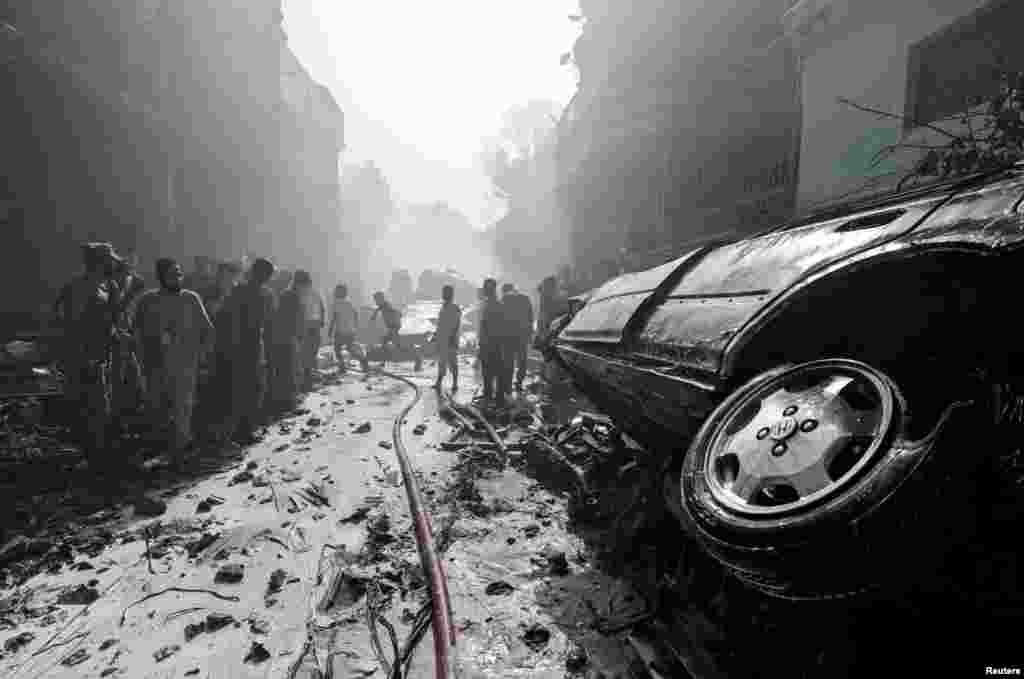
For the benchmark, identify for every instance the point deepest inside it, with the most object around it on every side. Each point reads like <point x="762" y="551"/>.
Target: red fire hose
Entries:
<point x="444" y="629"/>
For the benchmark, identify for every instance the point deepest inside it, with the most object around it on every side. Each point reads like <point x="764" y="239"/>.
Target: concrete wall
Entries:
<point x="859" y="51"/>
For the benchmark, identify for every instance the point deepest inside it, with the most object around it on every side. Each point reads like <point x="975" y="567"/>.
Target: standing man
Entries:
<point x="125" y="379"/>
<point x="312" y="306"/>
<point x="519" y="312"/>
<point x="214" y="296"/>
<point x="343" y="328"/>
<point x="449" y="324"/>
<point x="284" y="335"/>
<point x="493" y="334"/>
<point x="248" y="311"/>
<point x="173" y="330"/>
<point x="88" y="308"/>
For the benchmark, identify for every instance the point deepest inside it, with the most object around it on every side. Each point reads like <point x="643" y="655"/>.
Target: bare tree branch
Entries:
<point x="896" y="116"/>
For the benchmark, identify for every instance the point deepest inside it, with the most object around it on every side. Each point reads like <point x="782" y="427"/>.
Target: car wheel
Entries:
<point x="804" y="485"/>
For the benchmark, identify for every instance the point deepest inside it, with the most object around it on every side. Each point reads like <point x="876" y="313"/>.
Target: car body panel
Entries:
<point x="710" y="302"/>
<point x="605" y="315"/>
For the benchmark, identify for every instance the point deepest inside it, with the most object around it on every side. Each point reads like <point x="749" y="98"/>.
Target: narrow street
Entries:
<point x="237" y="574"/>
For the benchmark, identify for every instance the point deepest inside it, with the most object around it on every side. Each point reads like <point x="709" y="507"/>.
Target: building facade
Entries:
<point x="167" y="128"/>
<point x="925" y="61"/>
<point x="685" y="127"/>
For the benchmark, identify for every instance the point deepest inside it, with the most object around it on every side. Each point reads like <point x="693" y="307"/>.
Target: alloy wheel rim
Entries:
<point x="799" y="439"/>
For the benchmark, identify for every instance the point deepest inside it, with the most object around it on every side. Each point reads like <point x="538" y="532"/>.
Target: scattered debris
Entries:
<point x="499" y="588"/>
<point x="252" y="464"/>
<point x="148" y="507"/>
<point x="76" y="658"/>
<point x="193" y="630"/>
<point x="259" y="626"/>
<point x="363" y="428"/>
<point x="577" y="660"/>
<point x="209" y="503"/>
<point x="83" y="595"/>
<point x="283" y="447"/>
<point x="212" y="623"/>
<point x="350" y="401"/>
<point x="536" y="637"/>
<point x="257" y="654"/>
<point x="419" y="429"/>
<point x="358" y="515"/>
<point x="386" y="445"/>
<point x="241" y="477"/>
<point x="230" y="574"/>
<point x="16" y="643"/>
<point x="181" y="590"/>
<point x="166" y="652"/>
<point x="277" y="581"/>
<point x="107" y="644"/>
<point x="199" y="546"/>
<point x="314" y="422"/>
<point x="557" y="563"/>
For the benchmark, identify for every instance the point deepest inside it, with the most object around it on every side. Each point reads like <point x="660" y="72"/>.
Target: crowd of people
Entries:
<point x="245" y="341"/>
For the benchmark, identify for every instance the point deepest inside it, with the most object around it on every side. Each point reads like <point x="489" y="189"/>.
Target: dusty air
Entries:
<point x="554" y="339"/>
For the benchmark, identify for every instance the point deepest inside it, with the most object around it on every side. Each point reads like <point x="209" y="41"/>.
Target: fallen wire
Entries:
<point x="72" y="638"/>
<point x="184" y="611"/>
<point x="181" y="590"/>
<point x="372" y="617"/>
<point x="49" y="643"/>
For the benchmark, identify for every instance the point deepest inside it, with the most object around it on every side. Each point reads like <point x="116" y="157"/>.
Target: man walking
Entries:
<point x="449" y="323"/>
<point x="88" y="308"/>
<point x="519" y="312"/>
<point x="312" y="306"/>
<point x="249" y="309"/>
<point x="173" y="330"/>
<point x="343" y="328"/>
<point x="393" y="322"/>
<point x="493" y="333"/>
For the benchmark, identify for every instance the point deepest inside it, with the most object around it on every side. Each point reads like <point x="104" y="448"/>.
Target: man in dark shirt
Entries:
<point x="249" y="309"/>
<point x="519" y="312"/>
<point x="493" y="336"/>
<point x="88" y="308"/>
<point x="283" y="346"/>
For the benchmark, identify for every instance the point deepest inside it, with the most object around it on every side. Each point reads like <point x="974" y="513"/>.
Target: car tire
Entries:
<point x="899" y="509"/>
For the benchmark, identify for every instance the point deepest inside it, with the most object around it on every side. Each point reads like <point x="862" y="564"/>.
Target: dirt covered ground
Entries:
<point x="296" y="558"/>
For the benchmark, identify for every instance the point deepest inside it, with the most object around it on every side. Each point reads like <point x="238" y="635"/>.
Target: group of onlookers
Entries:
<point x="246" y="341"/>
<point x="249" y="350"/>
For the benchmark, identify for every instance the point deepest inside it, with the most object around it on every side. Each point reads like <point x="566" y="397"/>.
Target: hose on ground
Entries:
<point x="444" y="630"/>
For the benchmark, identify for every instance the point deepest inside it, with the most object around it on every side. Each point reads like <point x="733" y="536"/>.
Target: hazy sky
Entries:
<point x="423" y="84"/>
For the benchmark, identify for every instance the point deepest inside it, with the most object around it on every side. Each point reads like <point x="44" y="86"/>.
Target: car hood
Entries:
<point x="686" y="311"/>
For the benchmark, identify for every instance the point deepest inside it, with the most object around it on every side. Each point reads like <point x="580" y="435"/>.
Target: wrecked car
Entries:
<point x="824" y="397"/>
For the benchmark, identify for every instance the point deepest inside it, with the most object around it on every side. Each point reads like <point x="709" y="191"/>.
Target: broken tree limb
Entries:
<point x="181" y="590"/>
<point x="896" y="116"/>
